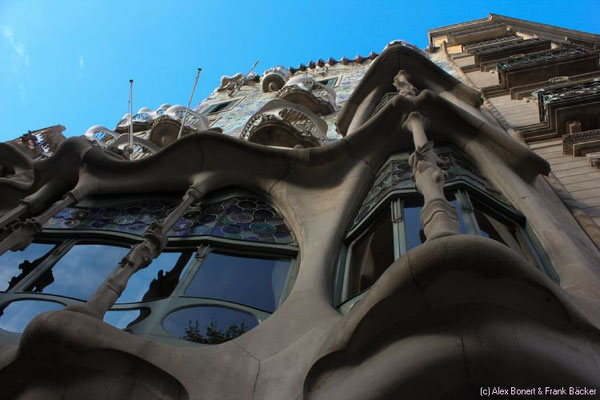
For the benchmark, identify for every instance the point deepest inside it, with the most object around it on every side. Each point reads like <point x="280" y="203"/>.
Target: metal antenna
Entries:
<point x="254" y="66"/>
<point x="189" y="103"/>
<point x="130" y="119"/>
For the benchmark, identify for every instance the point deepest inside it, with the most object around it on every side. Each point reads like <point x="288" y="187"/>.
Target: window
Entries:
<point x="216" y="108"/>
<point x="228" y="265"/>
<point x="388" y="223"/>
<point x="331" y="82"/>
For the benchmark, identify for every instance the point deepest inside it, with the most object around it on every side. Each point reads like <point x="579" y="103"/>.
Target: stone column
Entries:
<point x="438" y="217"/>
<point x="140" y="256"/>
<point x="19" y="234"/>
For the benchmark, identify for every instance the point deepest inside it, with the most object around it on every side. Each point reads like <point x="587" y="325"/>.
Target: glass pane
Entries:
<point x="256" y="282"/>
<point x="122" y="319"/>
<point x="412" y="226"/>
<point x="18" y="314"/>
<point x="15" y="265"/>
<point x="370" y="256"/>
<point x="153" y="282"/>
<point x="464" y="229"/>
<point x="79" y="272"/>
<point x="210" y="325"/>
<point x="494" y="229"/>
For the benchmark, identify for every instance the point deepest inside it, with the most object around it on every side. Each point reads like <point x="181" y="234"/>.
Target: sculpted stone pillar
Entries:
<point x="19" y="234"/>
<point x="140" y="256"/>
<point x="438" y="217"/>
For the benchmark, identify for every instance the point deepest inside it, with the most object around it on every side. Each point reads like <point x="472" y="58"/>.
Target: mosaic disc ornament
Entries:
<point x="240" y="218"/>
<point x="132" y="218"/>
<point x="243" y="218"/>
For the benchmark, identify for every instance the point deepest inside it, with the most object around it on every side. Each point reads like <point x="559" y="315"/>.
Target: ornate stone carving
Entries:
<point x="232" y="84"/>
<point x="402" y="83"/>
<point x="274" y="78"/>
<point x="304" y="90"/>
<point x="579" y="137"/>
<point x="285" y="124"/>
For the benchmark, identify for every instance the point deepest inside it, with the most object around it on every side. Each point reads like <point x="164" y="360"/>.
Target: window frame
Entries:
<point x="463" y="190"/>
<point x="151" y="326"/>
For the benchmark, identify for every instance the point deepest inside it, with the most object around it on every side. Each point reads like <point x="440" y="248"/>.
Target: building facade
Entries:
<point x="409" y="224"/>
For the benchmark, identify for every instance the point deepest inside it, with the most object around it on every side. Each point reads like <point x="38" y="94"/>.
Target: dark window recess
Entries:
<point x="370" y="256"/>
<point x="215" y="108"/>
<point x="208" y="324"/>
<point x="80" y="272"/>
<point x="16" y="265"/>
<point x="256" y="282"/>
<point x="16" y="315"/>
<point x="328" y="82"/>
<point x="158" y="280"/>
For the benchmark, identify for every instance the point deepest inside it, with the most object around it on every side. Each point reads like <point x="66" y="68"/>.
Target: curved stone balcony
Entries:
<point x="153" y="130"/>
<point x="315" y="96"/>
<point x="165" y="128"/>
<point x="284" y="124"/>
<point x="274" y="78"/>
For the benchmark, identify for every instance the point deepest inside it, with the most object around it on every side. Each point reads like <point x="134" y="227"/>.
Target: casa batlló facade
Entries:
<point x="408" y="224"/>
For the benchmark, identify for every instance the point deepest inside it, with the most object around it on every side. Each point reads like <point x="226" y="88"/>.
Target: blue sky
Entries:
<point x="69" y="62"/>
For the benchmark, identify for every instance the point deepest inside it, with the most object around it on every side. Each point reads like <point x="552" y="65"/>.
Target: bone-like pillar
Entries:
<point x="138" y="257"/>
<point x="438" y="217"/>
<point x="20" y="233"/>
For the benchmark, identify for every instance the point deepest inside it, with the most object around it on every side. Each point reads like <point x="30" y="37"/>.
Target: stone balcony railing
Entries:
<point x="304" y="90"/>
<point x="153" y="130"/>
<point x="554" y="56"/>
<point x="580" y="91"/>
<point x="284" y="124"/>
<point x="274" y="78"/>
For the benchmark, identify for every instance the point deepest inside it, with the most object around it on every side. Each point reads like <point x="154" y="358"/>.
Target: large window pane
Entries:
<point x="158" y="280"/>
<point x="123" y="318"/>
<point x="79" y="272"/>
<point x="15" y="265"/>
<point x="413" y="228"/>
<point x="370" y="256"/>
<point x="207" y="324"/>
<point x="257" y="282"/>
<point x="18" y="314"/>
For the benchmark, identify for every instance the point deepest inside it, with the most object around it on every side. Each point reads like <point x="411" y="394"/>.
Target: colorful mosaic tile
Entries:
<point x="240" y="218"/>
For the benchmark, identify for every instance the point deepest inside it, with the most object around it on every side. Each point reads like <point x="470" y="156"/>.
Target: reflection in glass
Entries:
<point x="15" y="265"/>
<point x="413" y="228"/>
<point x="153" y="282"/>
<point x="122" y="318"/>
<point x="79" y="272"/>
<point x="18" y="314"/>
<point x="256" y="282"/>
<point x="208" y="324"/>
<point x="370" y="256"/>
<point x="464" y="229"/>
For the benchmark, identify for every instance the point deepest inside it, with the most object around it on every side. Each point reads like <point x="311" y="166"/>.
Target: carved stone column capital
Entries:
<point x="402" y="83"/>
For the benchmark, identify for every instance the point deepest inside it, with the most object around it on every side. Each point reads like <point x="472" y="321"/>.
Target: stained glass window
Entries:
<point x="239" y="218"/>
